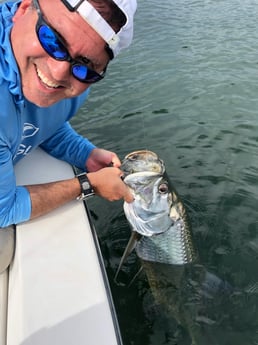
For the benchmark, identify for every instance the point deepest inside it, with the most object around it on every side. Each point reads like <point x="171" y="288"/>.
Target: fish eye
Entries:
<point x="163" y="188"/>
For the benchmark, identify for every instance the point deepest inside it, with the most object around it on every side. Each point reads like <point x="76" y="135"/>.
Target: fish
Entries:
<point x="157" y="213"/>
<point x="163" y="241"/>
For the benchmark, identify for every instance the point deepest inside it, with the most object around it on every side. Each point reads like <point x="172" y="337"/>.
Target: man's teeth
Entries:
<point x="46" y="81"/>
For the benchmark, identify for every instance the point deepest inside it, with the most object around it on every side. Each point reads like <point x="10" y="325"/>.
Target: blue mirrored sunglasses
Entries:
<point x="51" y="42"/>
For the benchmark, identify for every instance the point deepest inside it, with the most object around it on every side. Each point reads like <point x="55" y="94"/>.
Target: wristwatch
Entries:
<point x="86" y="188"/>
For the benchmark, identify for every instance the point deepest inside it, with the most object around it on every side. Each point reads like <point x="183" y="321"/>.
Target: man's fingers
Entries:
<point x="116" y="161"/>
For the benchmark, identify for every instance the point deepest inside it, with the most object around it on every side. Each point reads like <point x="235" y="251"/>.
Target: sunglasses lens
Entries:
<point x="80" y="71"/>
<point x="85" y="74"/>
<point x="51" y="43"/>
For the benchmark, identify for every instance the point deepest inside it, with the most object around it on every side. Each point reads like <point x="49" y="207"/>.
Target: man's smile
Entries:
<point x="48" y="83"/>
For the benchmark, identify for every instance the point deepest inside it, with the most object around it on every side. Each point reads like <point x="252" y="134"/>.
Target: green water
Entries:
<point x="188" y="90"/>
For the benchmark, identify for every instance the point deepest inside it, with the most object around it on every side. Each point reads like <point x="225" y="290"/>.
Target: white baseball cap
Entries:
<point x="116" y="41"/>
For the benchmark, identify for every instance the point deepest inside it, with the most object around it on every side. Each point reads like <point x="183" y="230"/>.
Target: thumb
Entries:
<point x="128" y="197"/>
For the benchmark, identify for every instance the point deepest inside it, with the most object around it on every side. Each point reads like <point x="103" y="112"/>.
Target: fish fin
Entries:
<point x="135" y="276"/>
<point x="128" y="250"/>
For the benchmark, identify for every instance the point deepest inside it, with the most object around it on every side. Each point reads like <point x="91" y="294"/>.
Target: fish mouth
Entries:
<point x="143" y="153"/>
<point x="143" y="217"/>
<point x="154" y="223"/>
<point x="134" y="176"/>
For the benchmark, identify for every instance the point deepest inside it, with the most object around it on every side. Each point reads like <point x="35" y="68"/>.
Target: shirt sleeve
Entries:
<point x="15" y="202"/>
<point x="68" y="145"/>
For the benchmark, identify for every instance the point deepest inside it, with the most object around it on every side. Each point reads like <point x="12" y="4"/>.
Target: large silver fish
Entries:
<point x="161" y="236"/>
<point x="157" y="213"/>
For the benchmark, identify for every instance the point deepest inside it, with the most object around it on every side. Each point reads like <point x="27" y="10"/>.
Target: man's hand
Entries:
<point x="100" y="158"/>
<point x="105" y="175"/>
<point x="108" y="184"/>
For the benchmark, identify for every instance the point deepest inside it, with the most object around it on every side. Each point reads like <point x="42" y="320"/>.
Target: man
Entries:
<point x="51" y="52"/>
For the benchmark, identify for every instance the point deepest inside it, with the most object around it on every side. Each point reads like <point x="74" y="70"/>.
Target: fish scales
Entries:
<point x="170" y="247"/>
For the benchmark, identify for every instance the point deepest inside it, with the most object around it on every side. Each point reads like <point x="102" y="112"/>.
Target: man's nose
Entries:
<point x="59" y="70"/>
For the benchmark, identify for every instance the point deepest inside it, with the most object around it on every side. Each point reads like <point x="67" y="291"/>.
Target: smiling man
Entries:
<point x="51" y="52"/>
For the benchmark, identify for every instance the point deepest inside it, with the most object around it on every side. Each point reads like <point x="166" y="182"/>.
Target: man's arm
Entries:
<point x="48" y="196"/>
<point x="106" y="183"/>
<point x="15" y="204"/>
<point x="68" y="145"/>
<point x="19" y="203"/>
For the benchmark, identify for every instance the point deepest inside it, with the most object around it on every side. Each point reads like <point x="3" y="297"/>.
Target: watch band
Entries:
<point x="86" y="188"/>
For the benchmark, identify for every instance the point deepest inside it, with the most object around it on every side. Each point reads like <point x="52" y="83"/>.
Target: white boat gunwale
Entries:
<point x="104" y="274"/>
<point x="58" y="259"/>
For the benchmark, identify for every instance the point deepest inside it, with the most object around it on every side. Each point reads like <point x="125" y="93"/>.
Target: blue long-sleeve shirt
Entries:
<point x="24" y="126"/>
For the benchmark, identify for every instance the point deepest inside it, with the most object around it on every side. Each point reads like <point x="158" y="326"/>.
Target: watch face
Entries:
<point x="85" y="185"/>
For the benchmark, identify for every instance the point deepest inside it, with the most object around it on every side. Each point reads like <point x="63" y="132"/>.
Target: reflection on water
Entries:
<point x="187" y="89"/>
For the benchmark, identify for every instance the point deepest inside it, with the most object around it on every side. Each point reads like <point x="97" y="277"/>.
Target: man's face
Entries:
<point x="44" y="79"/>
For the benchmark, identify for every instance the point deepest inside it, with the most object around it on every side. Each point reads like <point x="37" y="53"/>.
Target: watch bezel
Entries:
<point x="86" y="188"/>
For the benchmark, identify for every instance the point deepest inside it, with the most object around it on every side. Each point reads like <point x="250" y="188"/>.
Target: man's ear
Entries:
<point x="22" y="9"/>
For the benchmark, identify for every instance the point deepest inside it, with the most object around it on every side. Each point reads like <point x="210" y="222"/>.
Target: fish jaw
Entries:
<point x="155" y="224"/>
<point x="149" y="213"/>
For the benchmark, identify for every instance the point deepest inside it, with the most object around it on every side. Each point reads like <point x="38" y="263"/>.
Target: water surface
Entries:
<point x="187" y="89"/>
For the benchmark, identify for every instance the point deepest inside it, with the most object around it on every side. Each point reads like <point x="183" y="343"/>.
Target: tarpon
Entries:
<point x="162" y="238"/>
